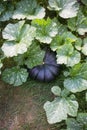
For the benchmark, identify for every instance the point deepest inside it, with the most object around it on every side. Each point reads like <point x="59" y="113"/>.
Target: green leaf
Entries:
<point x="15" y="76"/>
<point x="20" y="59"/>
<point x="84" y="2"/>
<point x="66" y="8"/>
<point x="77" y="81"/>
<point x="84" y="47"/>
<point x="72" y="124"/>
<point x="7" y="12"/>
<point x="34" y="55"/>
<point x="19" y="37"/>
<point x="86" y="96"/>
<point x="82" y="117"/>
<point x="56" y="90"/>
<point x="28" y="9"/>
<point x="78" y="24"/>
<point x="1" y="8"/>
<point x="78" y="44"/>
<point x="46" y="30"/>
<point x="56" y="42"/>
<point x="64" y="37"/>
<point x="59" y="109"/>
<point x="67" y="55"/>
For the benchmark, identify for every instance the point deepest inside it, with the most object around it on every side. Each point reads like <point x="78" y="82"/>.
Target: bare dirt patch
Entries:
<point x="21" y="108"/>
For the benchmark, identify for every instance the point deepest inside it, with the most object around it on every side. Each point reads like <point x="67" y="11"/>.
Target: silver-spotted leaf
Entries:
<point x="15" y="76"/>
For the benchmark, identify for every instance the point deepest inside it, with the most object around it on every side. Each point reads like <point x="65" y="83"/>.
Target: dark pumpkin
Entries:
<point x="48" y="70"/>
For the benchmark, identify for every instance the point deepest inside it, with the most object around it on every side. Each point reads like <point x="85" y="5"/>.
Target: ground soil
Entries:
<point x="21" y="108"/>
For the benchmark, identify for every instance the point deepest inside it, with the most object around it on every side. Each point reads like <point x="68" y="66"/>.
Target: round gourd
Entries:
<point x="48" y="70"/>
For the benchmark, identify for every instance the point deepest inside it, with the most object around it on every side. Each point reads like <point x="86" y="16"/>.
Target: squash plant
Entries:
<point x="28" y="27"/>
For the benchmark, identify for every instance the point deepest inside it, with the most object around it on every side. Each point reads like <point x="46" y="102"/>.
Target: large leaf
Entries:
<point x="67" y="55"/>
<point x="77" y="81"/>
<point x="19" y="37"/>
<point x="15" y="76"/>
<point x="28" y="9"/>
<point x="60" y="108"/>
<point x="78" y="24"/>
<point x="35" y="55"/>
<point x="66" y="8"/>
<point x="84" y="48"/>
<point x="46" y="29"/>
<point x="64" y="37"/>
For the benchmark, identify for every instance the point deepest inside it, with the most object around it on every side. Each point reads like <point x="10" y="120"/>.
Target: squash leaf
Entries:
<point x="77" y="81"/>
<point x="1" y="8"/>
<point x="67" y="55"/>
<point x="6" y="12"/>
<point x="66" y="8"/>
<point x="34" y="55"/>
<point x="80" y="123"/>
<point x="60" y="108"/>
<point x="56" y="90"/>
<point x="28" y="9"/>
<point x="82" y="117"/>
<point x="78" y="24"/>
<point x="65" y="37"/>
<point x="19" y="37"/>
<point x="72" y="124"/>
<point x="84" y="47"/>
<point x="86" y="96"/>
<point x="46" y="29"/>
<point x="15" y="76"/>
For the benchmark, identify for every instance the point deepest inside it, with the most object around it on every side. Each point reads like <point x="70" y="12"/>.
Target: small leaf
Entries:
<point x="66" y="8"/>
<point x="28" y="9"/>
<point x="46" y="30"/>
<point x="15" y="76"/>
<point x="56" y="90"/>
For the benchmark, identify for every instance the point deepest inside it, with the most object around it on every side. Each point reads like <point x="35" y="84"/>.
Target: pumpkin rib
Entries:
<point x="48" y="75"/>
<point x="49" y="67"/>
<point x="40" y="75"/>
<point x="32" y="72"/>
